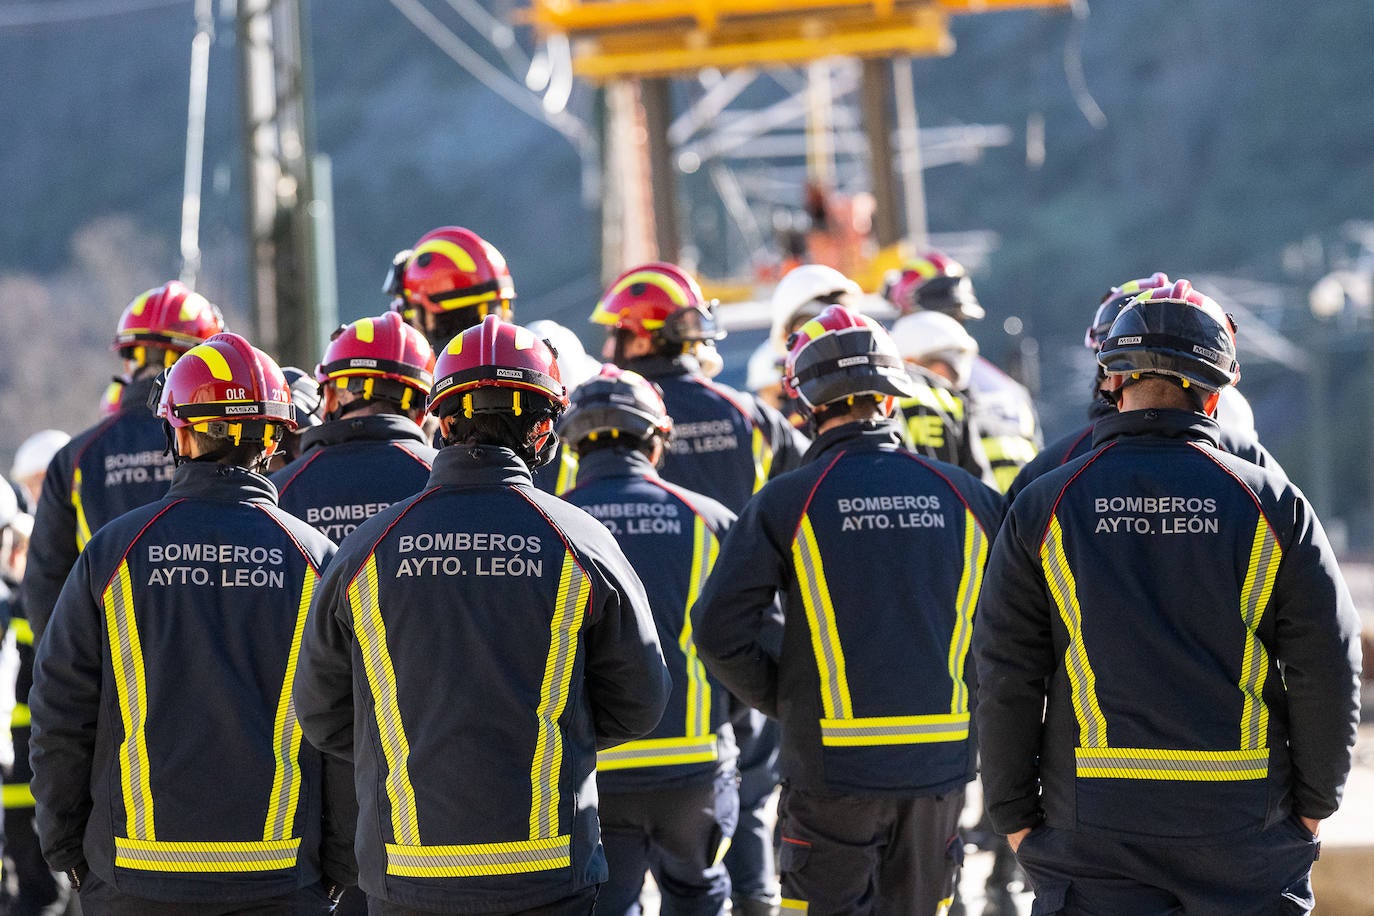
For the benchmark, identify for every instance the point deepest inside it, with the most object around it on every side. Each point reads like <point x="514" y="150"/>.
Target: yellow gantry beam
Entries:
<point x="619" y="38"/>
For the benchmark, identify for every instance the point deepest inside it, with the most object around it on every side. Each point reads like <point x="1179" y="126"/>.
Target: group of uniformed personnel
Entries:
<point x="433" y="622"/>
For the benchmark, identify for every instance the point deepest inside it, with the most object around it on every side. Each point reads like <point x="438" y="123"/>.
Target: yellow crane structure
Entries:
<point x="634" y="48"/>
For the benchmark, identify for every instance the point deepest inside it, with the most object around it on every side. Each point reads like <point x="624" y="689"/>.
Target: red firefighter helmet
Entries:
<point x="496" y="366"/>
<point x="110" y="398"/>
<point x="841" y="353"/>
<point x="229" y="389"/>
<point x="379" y="357"/>
<point x="935" y="282"/>
<point x="170" y="317"/>
<point x="454" y="268"/>
<point x="658" y="300"/>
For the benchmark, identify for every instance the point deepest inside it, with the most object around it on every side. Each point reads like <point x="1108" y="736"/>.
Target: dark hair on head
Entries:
<point x="606" y="442"/>
<point x="503" y="429"/>
<point x="245" y="455"/>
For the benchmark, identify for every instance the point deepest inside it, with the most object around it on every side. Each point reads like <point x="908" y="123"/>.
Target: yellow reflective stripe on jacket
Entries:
<point x="1092" y="725"/>
<point x="381" y="680"/>
<point x="658" y="752"/>
<point x="22" y="717"/>
<point x="867" y="732"/>
<point x="22" y="630"/>
<point x="281" y="810"/>
<point x="763" y="458"/>
<point x="970" y="584"/>
<point x="547" y="766"/>
<point x="1158" y="763"/>
<point x="83" y="528"/>
<point x="793" y="906"/>
<point x="17" y="795"/>
<point x="252" y="855"/>
<point x="567" y="472"/>
<point x="934" y="398"/>
<point x="704" y="548"/>
<point x="131" y="689"/>
<point x="820" y="615"/>
<point x="478" y="858"/>
<point x="1254" y="600"/>
<point x="1007" y="455"/>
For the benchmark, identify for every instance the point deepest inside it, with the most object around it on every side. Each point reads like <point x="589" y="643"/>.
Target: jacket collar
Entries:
<point x="383" y="427"/>
<point x="1167" y="423"/>
<point x="133" y="397"/>
<point x="658" y="366"/>
<point x="861" y="434"/>
<point x="614" y="462"/>
<point x="478" y="466"/>
<point x="224" y="482"/>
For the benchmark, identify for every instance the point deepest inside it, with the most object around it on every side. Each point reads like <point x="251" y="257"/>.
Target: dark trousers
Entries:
<point x="37" y="888"/>
<point x="579" y="904"/>
<point x="750" y="860"/>
<point x="875" y="854"/>
<point x="1077" y="874"/>
<point x="676" y="835"/>
<point x="100" y="899"/>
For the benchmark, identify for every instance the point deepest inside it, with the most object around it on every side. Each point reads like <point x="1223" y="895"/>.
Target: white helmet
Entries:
<point x="807" y="290"/>
<point x="765" y="368"/>
<point x="923" y="336"/>
<point x="573" y="362"/>
<point x="36" y="452"/>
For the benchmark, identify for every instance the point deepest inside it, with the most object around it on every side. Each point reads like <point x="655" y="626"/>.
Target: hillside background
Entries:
<point x="1239" y="143"/>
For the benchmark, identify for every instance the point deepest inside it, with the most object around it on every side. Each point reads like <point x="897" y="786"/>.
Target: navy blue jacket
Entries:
<point x="1080" y="442"/>
<point x="470" y="649"/>
<point x="672" y="537"/>
<point x="878" y="556"/>
<point x="163" y="733"/>
<point x="1182" y="614"/>
<point x="351" y="468"/>
<point x="725" y="444"/>
<point x="119" y="464"/>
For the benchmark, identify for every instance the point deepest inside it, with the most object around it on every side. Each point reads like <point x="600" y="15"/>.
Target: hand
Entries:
<point x="1312" y="824"/>
<point x="1014" y="839"/>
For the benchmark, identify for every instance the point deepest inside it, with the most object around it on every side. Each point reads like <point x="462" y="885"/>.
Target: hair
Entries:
<point x="854" y="407"/>
<point x="245" y="455"/>
<point x="609" y="442"/>
<point x="496" y="428"/>
<point x="1167" y="391"/>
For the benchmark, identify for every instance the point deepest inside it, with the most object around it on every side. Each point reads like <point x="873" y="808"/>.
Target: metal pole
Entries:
<point x="877" y="123"/>
<point x="909" y="129"/>
<point x="656" y="97"/>
<point x="195" y="141"/>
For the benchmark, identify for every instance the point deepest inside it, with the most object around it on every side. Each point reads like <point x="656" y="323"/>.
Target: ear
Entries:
<point x="186" y="444"/>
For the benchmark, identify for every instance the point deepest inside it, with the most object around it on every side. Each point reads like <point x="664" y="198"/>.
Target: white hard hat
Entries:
<point x="573" y="362"/>
<point x="764" y="369"/>
<point x="9" y="504"/>
<point x="36" y="452"/>
<point x="923" y="336"/>
<point x="808" y="288"/>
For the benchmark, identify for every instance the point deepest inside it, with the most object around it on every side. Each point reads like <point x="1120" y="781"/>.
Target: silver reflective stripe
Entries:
<point x="478" y="859"/>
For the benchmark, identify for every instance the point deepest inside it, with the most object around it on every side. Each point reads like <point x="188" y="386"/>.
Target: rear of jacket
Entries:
<point x="352" y="468"/>
<point x="1197" y="639"/>
<point x="117" y="465"/>
<point x="878" y="555"/>
<point x="725" y="444"/>
<point x="165" y="749"/>
<point x="671" y="537"/>
<point x="470" y="650"/>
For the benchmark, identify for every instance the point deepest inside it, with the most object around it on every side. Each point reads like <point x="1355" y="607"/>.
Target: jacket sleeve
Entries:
<point x="972" y="456"/>
<point x="1014" y="656"/>
<point x="1317" y="645"/>
<point x="627" y="680"/>
<point x="65" y="703"/>
<point x="324" y="677"/>
<point x="52" y="546"/>
<point x="786" y="441"/>
<point x="738" y="609"/>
